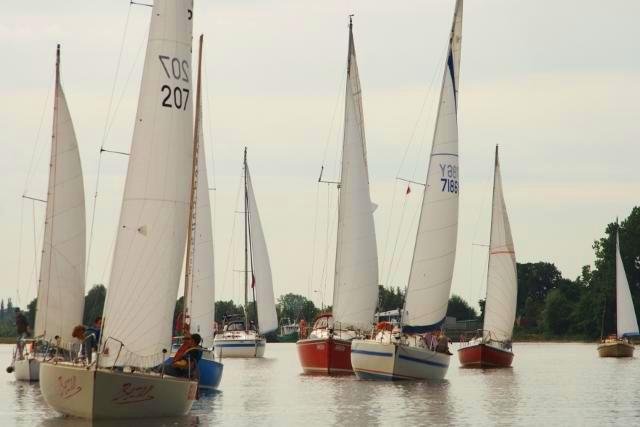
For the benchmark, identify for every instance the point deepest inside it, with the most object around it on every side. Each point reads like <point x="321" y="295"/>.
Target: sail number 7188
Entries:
<point x="449" y="178"/>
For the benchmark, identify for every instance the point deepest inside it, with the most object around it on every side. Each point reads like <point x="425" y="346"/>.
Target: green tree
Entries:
<point x="296" y="307"/>
<point x="31" y="311"/>
<point x="556" y="309"/>
<point x="390" y="298"/>
<point x="460" y="309"/>
<point x="94" y="303"/>
<point x="224" y="308"/>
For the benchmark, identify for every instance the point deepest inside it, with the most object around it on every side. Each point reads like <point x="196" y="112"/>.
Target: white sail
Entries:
<point x="61" y="284"/>
<point x="152" y="230"/>
<point x="502" y="282"/>
<point x="626" y="314"/>
<point x="201" y="301"/>
<point x="355" y="289"/>
<point x="260" y="266"/>
<point x="435" y="248"/>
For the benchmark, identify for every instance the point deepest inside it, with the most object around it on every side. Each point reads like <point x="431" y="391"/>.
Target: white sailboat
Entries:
<point x="492" y="345"/>
<point x="149" y="247"/>
<point x="239" y="338"/>
<point x="627" y="324"/>
<point x="355" y="286"/>
<point x="61" y="285"/>
<point x="407" y="353"/>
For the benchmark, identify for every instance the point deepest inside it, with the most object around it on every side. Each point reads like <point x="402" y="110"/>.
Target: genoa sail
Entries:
<point x="502" y="282"/>
<point x="200" y="300"/>
<point x="435" y="248"/>
<point x="262" y="281"/>
<point x="62" y="266"/>
<point x="355" y="288"/>
<point x="151" y="236"/>
<point x="627" y="323"/>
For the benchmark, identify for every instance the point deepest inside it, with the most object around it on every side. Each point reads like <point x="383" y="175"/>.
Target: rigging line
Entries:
<point x="333" y="119"/>
<point x="20" y="251"/>
<point x="104" y="139"/>
<point x="35" y="145"/>
<point x="313" y="247"/>
<point x="231" y="249"/>
<point x="395" y="244"/>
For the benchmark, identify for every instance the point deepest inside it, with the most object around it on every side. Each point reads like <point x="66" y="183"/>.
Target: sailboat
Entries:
<point x="149" y="250"/>
<point x="327" y="348"/>
<point x="199" y="281"/>
<point x="618" y="345"/>
<point x="239" y="338"/>
<point x="409" y="351"/>
<point x="491" y="347"/>
<point x="62" y="266"/>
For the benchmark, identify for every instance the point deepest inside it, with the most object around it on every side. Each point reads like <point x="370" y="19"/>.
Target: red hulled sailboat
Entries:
<point x="327" y="349"/>
<point x="491" y="347"/>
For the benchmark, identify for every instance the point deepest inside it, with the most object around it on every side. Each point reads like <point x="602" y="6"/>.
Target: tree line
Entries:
<point x="548" y="306"/>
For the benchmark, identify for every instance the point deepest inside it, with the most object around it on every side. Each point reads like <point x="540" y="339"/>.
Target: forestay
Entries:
<point x="260" y="265"/>
<point x="356" y="276"/>
<point x="153" y="222"/>
<point x="626" y="315"/>
<point x="502" y="282"/>
<point x="435" y="247"/>
<point x="62" y="266"/>
<point x="201" y="301"/>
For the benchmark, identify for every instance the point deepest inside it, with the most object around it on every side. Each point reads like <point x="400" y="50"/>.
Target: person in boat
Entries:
<point x="443" y="345"/>
<point x="23" y="331"/>
<point x="303" y="328"/>
<point x="252" y="326"/>
<point x="185" y="361"/>
<point x="85" y="342"/>
<point x="93" y="331"/>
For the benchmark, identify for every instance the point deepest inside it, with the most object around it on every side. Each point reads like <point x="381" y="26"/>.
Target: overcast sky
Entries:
<point x="555" y="83"/>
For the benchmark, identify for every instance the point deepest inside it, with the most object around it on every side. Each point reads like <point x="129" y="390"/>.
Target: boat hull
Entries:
<point x="210" y="371"/>
<point x="328" y="356"/>
<point x="95" y="394"/>
<point x="375" y="360"/>
<point x="615" y="349"/>
<point x="240" y="348"/>
<point x="26" y="369"/>
<point x="292" y="337"/>
<point x="484" y="356"/>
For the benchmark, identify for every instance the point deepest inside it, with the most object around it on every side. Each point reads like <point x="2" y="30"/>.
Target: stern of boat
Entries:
<point x="373" y="360"/>
<point x="27" y="369"/>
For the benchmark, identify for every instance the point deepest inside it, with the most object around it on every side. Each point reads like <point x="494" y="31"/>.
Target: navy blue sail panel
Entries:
<point x="423" y="328"/>
<point x="453" y="76"/>
<point x="630" y="334"/>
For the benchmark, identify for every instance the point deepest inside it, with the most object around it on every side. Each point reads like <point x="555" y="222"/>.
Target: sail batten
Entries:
<point x="151" y="235"/>
<point x="62" y="267"/>
<point x="502" y="282"/>
<point x="262" y="281"/>
<point x="356" y="271"/>
<point x="435" y="247"/>
<point x="627" y="323"/>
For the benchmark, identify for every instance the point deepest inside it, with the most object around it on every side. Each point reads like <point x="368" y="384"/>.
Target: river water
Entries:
<point x="550" y="383"/>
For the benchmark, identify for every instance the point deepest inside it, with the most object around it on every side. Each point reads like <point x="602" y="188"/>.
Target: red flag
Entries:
<point x="408" y="190"/>
<point x="253" y="281"/>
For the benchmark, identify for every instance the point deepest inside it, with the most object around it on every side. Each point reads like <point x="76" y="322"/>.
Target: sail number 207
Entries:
<point x="175" y="69"/>
<point x="449" y="178"/>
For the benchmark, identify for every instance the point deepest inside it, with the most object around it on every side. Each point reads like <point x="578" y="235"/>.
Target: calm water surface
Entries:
<point x="553" y="384"/>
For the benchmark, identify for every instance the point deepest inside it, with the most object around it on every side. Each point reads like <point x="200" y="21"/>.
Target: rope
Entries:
<point x="104" y="138"/>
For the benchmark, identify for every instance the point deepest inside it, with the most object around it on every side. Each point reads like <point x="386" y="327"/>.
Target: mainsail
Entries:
<point x="260" y="266"/>
<point x="61" y="284"/>
<point x="200" y="280"/>
<point x="502" y="282"/>
<point x="435" y="249"/>
<point x="626" y="314"/>
<point x="355" y="289"/>
<point x="152" y="230"/>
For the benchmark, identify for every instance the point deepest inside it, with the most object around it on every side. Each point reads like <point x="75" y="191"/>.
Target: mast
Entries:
<point x="188" y="270"/>
<point x="246" y="244"/>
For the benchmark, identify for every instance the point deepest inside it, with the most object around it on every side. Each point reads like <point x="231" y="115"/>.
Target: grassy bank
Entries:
<point x="7" y="340"/>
